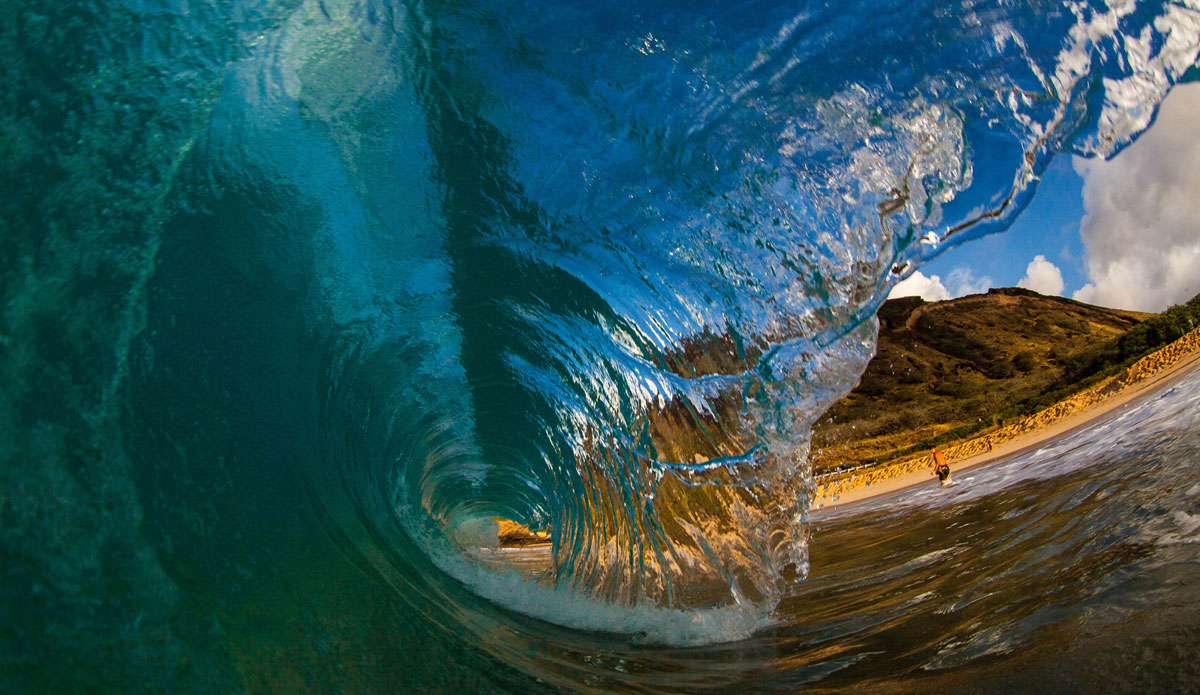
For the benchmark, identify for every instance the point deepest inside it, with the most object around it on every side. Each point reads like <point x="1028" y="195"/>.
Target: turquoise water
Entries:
<point x="298" y="296"/>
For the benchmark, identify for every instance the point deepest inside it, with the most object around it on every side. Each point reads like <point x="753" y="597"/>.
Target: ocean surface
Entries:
<point x="299" y="296"/>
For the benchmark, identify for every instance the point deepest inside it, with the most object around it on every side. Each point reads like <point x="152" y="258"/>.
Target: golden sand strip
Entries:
<point x="513" y="533"/>
<point x="1058" y="418"/>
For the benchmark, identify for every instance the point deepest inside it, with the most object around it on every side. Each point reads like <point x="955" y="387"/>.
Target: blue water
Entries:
<point x="298" y="296"/>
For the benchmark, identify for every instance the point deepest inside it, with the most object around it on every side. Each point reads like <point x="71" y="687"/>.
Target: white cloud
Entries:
<point x="1042" y="276"/>
<point x="930" y="288"/>
<point x="961" y="282"/>
<point x="1142" y="227"/>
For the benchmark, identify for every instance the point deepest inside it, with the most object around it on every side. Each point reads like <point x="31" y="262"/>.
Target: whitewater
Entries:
<point x="299" y="295"/>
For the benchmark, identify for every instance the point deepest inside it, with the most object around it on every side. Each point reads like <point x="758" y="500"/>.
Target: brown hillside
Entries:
<point x="957" y="364"/>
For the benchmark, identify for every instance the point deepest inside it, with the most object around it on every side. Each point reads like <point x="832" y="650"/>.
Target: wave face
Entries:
<point x="299" y="296"/>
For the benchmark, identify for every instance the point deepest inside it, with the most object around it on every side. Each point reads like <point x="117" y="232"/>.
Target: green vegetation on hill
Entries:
<point x="946" y="370"/>
<point x="1102" y="360"/>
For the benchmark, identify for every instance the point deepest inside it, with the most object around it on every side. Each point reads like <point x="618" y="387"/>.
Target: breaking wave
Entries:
<point x="301" y="296"/>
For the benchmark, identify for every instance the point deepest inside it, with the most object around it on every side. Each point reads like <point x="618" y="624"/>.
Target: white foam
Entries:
<point x="645" y="624"/>
<point x="475" y="532"/>
<point x="568" y="608"/>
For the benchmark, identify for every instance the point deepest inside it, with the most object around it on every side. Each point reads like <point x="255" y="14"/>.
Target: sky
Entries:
<point x="1123" y="233"/>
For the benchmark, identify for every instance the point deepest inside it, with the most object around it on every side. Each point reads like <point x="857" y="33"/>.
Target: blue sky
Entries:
<point x="1049" y="227"/>
<point x="1121" y="233"/>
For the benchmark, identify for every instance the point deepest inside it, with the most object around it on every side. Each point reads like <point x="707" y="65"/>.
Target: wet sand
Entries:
<point x="1142" y="378"/>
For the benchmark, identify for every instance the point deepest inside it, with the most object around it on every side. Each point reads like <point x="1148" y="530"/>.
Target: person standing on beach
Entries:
<point x="941" y="467"/>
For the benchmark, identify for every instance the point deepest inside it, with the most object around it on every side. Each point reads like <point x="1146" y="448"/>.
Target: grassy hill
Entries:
<point x="945" y="370"/>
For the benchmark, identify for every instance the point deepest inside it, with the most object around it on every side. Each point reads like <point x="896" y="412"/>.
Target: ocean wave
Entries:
<point x="385" y="271"/>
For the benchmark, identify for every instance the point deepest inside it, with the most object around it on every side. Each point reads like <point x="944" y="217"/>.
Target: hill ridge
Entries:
<point x="944" y="370"/>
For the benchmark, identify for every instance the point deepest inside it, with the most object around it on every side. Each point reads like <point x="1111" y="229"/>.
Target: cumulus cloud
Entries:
<point x="961" y="282"/>
<point x="1141" y="230"/>
<point x="929" y="288"/>
<point x="1042" y="276"/>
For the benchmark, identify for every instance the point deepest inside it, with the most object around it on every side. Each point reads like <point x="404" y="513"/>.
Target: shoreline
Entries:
<point x="1167" y="364"/>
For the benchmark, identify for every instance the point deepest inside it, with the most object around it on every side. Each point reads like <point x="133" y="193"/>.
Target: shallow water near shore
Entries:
<point x="1066" y="568"/>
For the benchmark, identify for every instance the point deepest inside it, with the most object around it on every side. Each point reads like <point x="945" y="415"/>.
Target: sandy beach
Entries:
<point x="1151" y="372"/>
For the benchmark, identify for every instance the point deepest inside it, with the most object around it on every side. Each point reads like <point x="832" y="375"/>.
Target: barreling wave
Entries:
<point x="628" y="260"/>
<point x="412" y="266"/>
